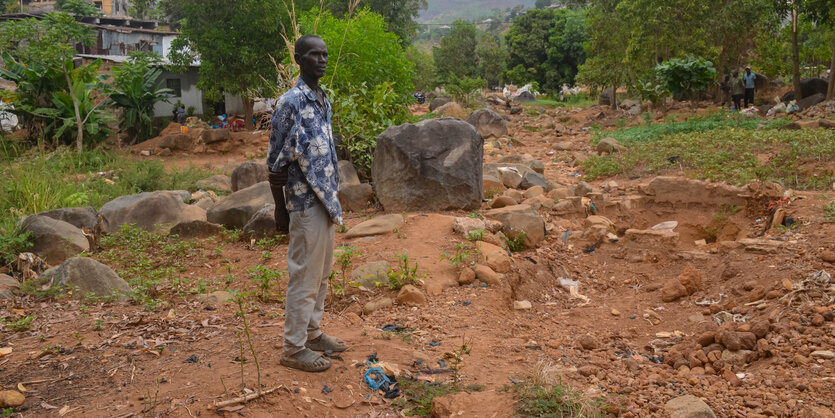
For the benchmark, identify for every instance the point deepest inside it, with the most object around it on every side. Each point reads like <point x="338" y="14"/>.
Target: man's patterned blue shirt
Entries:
<point x="302" y="141"/>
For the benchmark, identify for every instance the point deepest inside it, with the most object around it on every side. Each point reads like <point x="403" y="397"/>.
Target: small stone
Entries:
<point x="818" y="320"/>
<point x="377" y="304"/>
<point x="823" y="354"/>
<point x="467" y="276"/>
<point x="522" y="305"/>
<point x="587" y="342"/>
<point x="487" y="275"/>
<point x="799" y="360"/>
<point x="11" y="399"/>
<point x="410" y="295"/>
<point x="828" y="256"/>
<point x="587" y="370"/>
<point x="688" y="406"/>
<point x="615" y="312"/>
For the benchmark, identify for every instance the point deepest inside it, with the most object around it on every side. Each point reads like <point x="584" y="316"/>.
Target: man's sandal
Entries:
<point x="307" y="361"/>
<point x="326" y="343"/>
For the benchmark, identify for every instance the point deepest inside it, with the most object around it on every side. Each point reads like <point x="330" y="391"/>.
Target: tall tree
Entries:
<point x="234" y="42"/>
<point x="492" y="57"/>
<point x="546" y="46"/>
<point x="77" y="7"/>
<point x="51" y="43"/>
<point x="608" y="36"/>
<point x="399" y="14"/>
<point x="456" y="55"/>
<point x="822" y="12"/>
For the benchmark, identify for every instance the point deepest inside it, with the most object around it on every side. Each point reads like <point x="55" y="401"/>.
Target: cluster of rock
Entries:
<point x="198" y="138"/>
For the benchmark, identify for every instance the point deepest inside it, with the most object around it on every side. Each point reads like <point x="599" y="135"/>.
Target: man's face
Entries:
<point x="314" y="62"/>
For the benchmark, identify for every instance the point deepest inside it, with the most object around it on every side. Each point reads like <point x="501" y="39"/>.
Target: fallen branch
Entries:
<point x="246" y="398"/>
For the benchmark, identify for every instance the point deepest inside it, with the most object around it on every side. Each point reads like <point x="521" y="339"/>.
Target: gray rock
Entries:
<point x="436" y="103"/>
<point x="369" y="273"/>
<point x="235" y="210"/>
<point x="218" y="183"/>
<point x="196" y="229"/>
<point x="532" y="179"/>
<point x="211" y="136"/>
<point x="810" y="101"/>
<point x="525" y="97"/>
<point x="54" y="240"/>
<point x="262" y="224"/>
<point x="376" y="226"/>
<point x="8" y="286"/>
<point x="517" y="219"/>
<point x="510" y="179"/>
<point x="464" y="226"/>
<point x="582" y="189"/>
<point x="488" y="123"/>
<point x="88" y="275"/>
<point x="80" y="217"/>
<point x="606" y="97"/>
<point x="355" y="197"/>
<point x="248" y="174"/>
<point x="431" y="165"/>
<point x="347" y="174"/>
<point x="688" y="406"/>
<point x="525" y="160"/>
<point x="177" y="142"/>
<point x="149" y="209"/>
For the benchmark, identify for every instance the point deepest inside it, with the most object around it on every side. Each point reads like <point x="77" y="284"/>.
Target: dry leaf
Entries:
<point x="19" y="311"/>
<point x="63" y="411"/>
<point x="171" y="314"/>
<point x="22" y="388"/>
<point x="5" y="351"/>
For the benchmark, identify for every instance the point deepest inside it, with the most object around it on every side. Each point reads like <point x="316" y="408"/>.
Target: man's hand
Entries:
<point x="282" y="219"/>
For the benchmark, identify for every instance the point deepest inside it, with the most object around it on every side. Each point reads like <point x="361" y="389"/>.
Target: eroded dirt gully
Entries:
<point x="649" y="332"/>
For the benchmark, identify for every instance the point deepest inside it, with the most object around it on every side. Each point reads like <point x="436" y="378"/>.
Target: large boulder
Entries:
<point x="488" y="123"/>
<point x="249" y="173"/>
<point x="431" y="165"/>
<point x="87" y="275"/>
<point x="211" y="136"/>
<point x="262" y="224"/>
<point x="438" y="102"/>
<point x="54" y="240"/>
<point x="376" y="226"/>
<point x="525" y="97"/>
<point x="808" y="87"/>
<point x="810" y="101"/>
<point x="149" y="209"/>
<point x="235" y="210"/>
<point x="452" y="110"/>
<point x="176" y="142"/>
<point x="218" y="183"/>
<point x="518" y="219"/>
<point x="355" y="197"/>
<point x="80" y="217"/>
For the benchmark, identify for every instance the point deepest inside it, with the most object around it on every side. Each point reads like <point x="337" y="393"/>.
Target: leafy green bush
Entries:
<point x="466" y="91"/>
<point x="135" y="90"/>
<point x="686" y="76"/>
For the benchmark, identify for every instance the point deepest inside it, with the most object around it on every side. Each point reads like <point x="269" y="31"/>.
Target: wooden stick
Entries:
<point x="246" y="398"/>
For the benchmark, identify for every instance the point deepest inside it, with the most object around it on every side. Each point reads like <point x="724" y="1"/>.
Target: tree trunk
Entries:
<point x="614" y="97"/>
<point x="795" y="58"/>
<point x="830" y="94"/>
<point x="79" y="140"/>
<point x="248" y="105"/>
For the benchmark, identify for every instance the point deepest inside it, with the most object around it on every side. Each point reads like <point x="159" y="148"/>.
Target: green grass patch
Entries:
<point x="37" y="181"/>
<point x="577" y="100"/>
<point x="829" y="212"/>
<point x="716" y="121"/>
<point x="555" y="401"/>
<point x="723" y="150"/>
<point x="417" y="395"/>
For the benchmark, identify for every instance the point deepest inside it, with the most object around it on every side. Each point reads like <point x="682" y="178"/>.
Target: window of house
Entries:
<point x="174" y="84"/>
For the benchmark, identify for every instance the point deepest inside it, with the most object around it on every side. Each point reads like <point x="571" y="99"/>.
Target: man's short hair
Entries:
<point x="303" y="44"/>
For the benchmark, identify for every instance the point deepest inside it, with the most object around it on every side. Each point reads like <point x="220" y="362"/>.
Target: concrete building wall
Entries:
<point x="189" y="94"/>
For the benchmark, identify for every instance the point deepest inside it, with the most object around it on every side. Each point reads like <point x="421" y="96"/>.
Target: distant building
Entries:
<point x="116" y="37"/>
<point x="111" y="8"/>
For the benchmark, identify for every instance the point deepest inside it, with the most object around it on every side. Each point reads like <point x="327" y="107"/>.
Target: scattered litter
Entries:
<point x="660" y="308"/>
<point x="372" y="358"/>
<point x="393" y="328"/>
<point x="709" y="302"/>
<point x="632" y="316"/>
<point x="816" y="289"/>
<point x="193" y="359"/>
<point x="725" y="316"/>
<point x="573" y="288"/>
<point x="377" y="380"/>
<point x="433" y="344"/>
<point x="330" y="354"/>
<point x="565" y="236"/>
<point x="442" y="363"/>
<point x="326" y="389"/>
<point x="667" y="226"/>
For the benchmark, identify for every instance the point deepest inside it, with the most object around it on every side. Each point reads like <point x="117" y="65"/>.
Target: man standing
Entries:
<point x="737" y="90"/>
<point x="302" y="157"/>
<point x="750" y="83"/>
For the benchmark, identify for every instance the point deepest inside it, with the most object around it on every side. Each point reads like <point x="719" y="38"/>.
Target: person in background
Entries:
<point x="725" y="86"/>
<point x="750" y="79"/>
<point x="737" y="91"/>
<point x="181" y="115"/>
